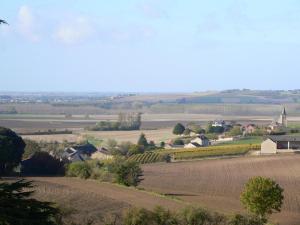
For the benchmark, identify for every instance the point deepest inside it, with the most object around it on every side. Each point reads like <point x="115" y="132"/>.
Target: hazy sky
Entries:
<point x="149" y="45"/>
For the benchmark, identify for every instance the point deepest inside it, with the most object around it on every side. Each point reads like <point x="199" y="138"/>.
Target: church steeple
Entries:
<point x="284" y="118"/>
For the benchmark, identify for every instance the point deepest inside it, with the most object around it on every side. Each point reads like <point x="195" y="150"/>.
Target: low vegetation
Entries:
<point x="150" y="157"/>
<point x="129" y="121"/>
<point x="119" y="170"/>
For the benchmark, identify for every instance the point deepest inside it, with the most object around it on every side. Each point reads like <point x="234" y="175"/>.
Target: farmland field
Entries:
<point x="217" y="184"/>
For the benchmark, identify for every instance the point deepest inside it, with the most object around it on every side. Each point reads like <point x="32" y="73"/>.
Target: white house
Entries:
<point x="200" y="141"/>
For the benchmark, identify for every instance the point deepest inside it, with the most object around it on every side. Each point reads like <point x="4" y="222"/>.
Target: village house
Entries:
<point x="79" y="152"/>
<point x="200" y="141"/>
<point x="280" y="144"/>
<point x="249" y="129"/>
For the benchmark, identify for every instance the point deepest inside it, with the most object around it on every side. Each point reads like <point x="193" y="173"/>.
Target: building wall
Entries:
<point x="268" y="147"/>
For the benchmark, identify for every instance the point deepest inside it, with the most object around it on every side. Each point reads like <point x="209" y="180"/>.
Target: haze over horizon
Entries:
<point x="149" y="45"/>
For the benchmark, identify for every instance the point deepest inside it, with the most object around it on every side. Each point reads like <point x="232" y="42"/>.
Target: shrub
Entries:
<point x="42" y="163"/>
<point x="128" y="173"/>
<point x="31" y="148"/>
<point x="245" y="220"/>
<point x="79" y="169"/>
<point x="178" y="129"/>
<point x="137" y="216"/>
<point x="178" y="142"/>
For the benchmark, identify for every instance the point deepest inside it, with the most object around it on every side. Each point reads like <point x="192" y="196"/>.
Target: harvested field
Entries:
<point x="217" y="184"/>
<point x="88" y="199"/>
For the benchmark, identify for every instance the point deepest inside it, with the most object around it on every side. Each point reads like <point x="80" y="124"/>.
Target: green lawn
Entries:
<point x="246" y="140"/>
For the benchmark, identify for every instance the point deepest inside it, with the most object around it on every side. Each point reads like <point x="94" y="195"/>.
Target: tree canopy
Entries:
<point x="11" y="150"/>
<point x="17" y="208"/>
<point x="178" y="129"/>
<point x="262" y="196"/>
<point x="142" y="140"/>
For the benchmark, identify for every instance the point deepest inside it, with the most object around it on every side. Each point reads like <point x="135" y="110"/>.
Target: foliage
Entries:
<point x="129" y="173"/>
<point x="198" y="216"/>
<point x="142" y="140"/>
<point x="137" y="216"/>
<point x="262" y="196"/>
<point x="17" y="208"/>
<point x="129" y="121"/>
<point x="178" y="129"/>
<point x="30" y="148"/>
<point x="11" y="150"/>
<point x="118" y="169"/>
<point x="42" y="163"/>
<point x="178" y="142"/>
<point x="79" y="169"/>
<point x="235" y="131"/>
<point x="136" y="149"/>
<point x="245" y="220"/>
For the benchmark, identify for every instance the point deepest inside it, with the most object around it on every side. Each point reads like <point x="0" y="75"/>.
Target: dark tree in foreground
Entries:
<point x="11" y="150"/>
<point x="17" y="208"/>
<point x="42" y="163"/>
<point x="262" y="197"/>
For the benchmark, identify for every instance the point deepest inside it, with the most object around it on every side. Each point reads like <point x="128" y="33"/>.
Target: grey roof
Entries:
<point x="284" y="138"/>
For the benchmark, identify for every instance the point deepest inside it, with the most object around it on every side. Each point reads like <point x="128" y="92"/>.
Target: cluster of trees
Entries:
<point x="117" y="170"/>
<point x="128" y="148"/>
<point x="126" y="121"/>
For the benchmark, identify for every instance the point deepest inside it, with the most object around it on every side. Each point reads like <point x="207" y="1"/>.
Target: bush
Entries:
<point x="245" y="220"/>
<point x="178" y="142"/>
<point x="31" y="148"/>
<point x="42" y="163"/>
<point x="137" y="216"/>
<point x="178" y="129"/>
<point x="79" y="169"/>
<point x="128" y="173"/>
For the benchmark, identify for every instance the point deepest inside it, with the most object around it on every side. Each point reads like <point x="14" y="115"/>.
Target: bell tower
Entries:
<point x="284" y="118"/>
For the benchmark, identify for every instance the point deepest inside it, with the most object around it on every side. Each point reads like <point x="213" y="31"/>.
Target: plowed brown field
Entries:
<point x="217" y="184"/>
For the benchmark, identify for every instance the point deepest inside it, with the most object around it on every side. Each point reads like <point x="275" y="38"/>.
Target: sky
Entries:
<point x="149" y="45"/>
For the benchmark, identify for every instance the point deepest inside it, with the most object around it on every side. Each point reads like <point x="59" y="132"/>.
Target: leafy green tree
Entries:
<point x="262" y="197"/>
<point x="178" y="129"/>
<point x="79" y="169"/>
<point x="162" y="144"/>
<point x="11" y="150"/>
<point x="42" y="163"/>
<point x="187" y="131"/>
<point x="17" y="208"/>
<point x="31" y="148"/>
<point x="136" y="149"/>
<point x="235" y="131"/>
<point x="129" y="173"/>
<point x="142" y="140"/>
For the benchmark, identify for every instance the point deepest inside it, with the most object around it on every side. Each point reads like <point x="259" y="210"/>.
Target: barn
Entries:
<point x="280" y="144"/>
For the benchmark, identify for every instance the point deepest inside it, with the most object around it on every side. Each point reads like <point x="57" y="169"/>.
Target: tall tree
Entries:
<point x="142" y="140"/>
<point x="178" y="129"/>
<point x="11" y="150"/>
<point x="262" y="197"/>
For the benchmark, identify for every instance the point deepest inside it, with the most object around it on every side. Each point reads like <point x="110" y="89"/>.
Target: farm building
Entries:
<point x="200" y="141"/>
<point x="101" y="153"/>
<point x="280" y="144"/>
